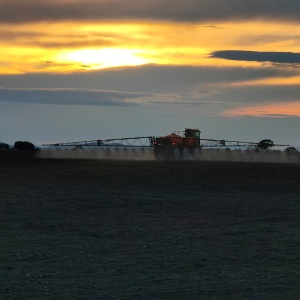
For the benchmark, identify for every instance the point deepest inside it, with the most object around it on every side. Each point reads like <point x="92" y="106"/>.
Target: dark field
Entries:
<point x="109" y="229"/>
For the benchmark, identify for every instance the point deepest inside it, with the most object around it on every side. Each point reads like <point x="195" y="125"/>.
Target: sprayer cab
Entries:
<point x="195" y="133"/>
<point x="191" y="139"/>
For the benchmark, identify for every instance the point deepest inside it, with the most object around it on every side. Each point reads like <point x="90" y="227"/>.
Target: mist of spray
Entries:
<point x="272" y="156"/>
<point x="275" y="156"/>
<point x="98" y="153"/>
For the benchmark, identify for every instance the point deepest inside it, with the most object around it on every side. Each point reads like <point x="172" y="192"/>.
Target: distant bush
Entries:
<point x="4" y="146"/>
<point x="291" y="150"/>
<point x="24" y="145"/>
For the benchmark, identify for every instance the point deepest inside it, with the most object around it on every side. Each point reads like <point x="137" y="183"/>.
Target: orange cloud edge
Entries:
<point x="276" y="110"/>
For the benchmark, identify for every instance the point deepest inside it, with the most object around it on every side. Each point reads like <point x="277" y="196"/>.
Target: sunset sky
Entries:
<point x="75" y="70"/>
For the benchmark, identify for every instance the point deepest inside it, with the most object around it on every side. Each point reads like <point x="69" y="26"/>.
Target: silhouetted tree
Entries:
<point x="19" y="145"/>
<point x="291" y="150"/>
<point x="265" y="144"/>
<point x="4" y="146"/>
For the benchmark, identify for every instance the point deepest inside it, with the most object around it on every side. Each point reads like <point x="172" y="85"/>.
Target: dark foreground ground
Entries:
<point x="104" y="229"/>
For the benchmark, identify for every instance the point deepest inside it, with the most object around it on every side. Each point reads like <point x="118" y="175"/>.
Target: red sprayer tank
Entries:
<point x="174" y="144"/>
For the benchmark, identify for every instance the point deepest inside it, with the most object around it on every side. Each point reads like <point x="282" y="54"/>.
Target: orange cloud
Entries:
<point x="270" y="110"/>
<point x="295" y="80"/>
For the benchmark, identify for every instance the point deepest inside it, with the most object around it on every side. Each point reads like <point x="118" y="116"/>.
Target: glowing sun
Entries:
<point x="103" y="58"/>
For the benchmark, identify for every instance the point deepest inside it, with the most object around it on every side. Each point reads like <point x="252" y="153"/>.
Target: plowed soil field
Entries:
<point x="120" y="229"/>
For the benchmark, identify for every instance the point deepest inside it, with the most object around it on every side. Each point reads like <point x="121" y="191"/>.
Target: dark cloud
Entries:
<point x="258" y="95"/>
<point x="150" y="78"/>
<point x="16" y="11"/>
<point x="274" y="57"/>
<point x="280" y="116"/>
<point x="156" y="85"/>
<point x="95" y="97"/>
<point x="69" y="97"/>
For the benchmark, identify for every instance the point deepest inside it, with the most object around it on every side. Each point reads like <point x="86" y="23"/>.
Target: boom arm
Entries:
<point x="264" y="144"/>
<point x="144" y="141"/>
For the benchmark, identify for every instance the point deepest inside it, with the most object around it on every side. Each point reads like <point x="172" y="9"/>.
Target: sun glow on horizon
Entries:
<point x="70" y="46"/>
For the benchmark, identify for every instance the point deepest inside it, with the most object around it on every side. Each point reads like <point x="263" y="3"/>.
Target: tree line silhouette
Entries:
<point x="18" y="145"/>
